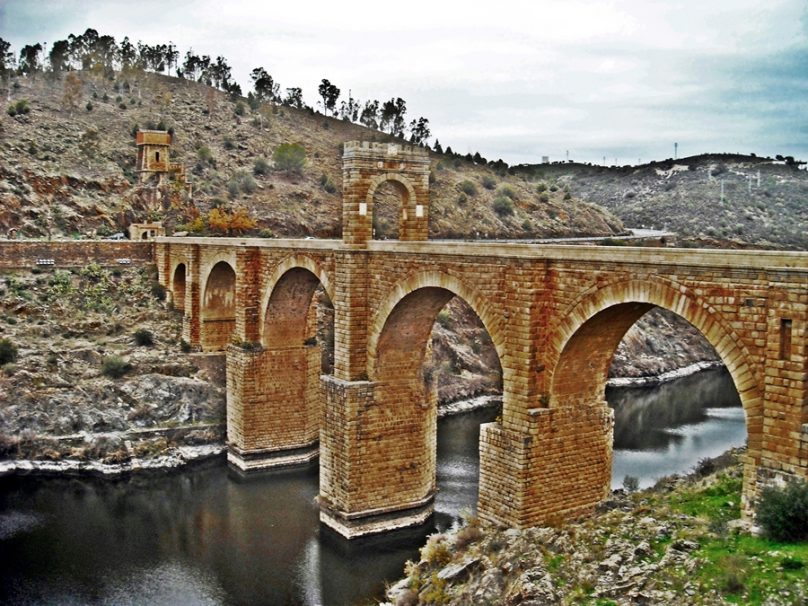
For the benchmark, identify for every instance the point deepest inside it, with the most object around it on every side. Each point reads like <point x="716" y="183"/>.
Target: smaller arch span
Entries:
<point x="302" y="263"/>
<point x="179" y="277"/>
<point x="218" y="307"/>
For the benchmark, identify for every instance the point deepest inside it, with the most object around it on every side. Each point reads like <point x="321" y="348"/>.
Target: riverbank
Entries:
<point x="164" y="449"/>
<point x="680" y="542"/>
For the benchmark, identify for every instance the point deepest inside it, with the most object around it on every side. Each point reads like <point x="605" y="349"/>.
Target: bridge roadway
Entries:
<point x="555" y="314"/>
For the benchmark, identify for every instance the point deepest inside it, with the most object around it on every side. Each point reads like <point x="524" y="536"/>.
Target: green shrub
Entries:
<point x="20" y="108"/>
<point x="508" y="191"/>
<point x="158" y="291"/>
<point x="783" y="512"/>
<point x="443" y="318"/>
<point x="239" y="109"/>
<point x="8" y="352"/>
<point x="185" y="347"/>
<point x="327" y="184"/>
<point x="468" y="188"/>
<point x="205" y="156"/>
<point x="144" y="337"/>
<point x="261" y="167"/>
<point x="544" y="198"/>
<point x="290" y="157"/>
<point x="115" y="367"/>
<point x="502" y="206"/>
<point x="541" y="188"/>
<point x="89" y="106"/>
<point x="567" y="196"/>
<point x="631" y="483"/>
<point x="489" y="182"/>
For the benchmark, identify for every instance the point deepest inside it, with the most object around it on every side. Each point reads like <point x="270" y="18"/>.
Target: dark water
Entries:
<point x="204" y="537"/>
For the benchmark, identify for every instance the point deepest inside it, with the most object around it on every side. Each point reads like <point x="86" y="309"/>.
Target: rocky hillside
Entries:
<point x="99" y="374"/>
<point x="765" y="201"/>
<point x="70" y="168"/>
<point x="681" y="542"/>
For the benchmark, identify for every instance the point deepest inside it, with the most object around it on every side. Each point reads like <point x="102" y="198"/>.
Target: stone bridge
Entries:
<point x="554" y="313"/>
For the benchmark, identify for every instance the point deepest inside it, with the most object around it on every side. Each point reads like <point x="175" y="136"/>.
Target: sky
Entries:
<point x="622" y="80"/>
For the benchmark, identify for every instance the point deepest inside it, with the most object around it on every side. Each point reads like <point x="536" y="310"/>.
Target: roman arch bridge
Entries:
<point x="554" y="313"/>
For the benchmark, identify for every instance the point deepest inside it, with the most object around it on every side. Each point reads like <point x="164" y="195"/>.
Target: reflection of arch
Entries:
<point x="219" y="307"/>
<point x="435" y="281"/>
<point x="178" y="279"/>
<point x="593" y="326"/>
<point x="292" y="291"/>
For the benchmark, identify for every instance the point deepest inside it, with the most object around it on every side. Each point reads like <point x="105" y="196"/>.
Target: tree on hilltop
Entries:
<point x="266" y="89"/>
<point x="329" y="93"/>
<point x="29" y="59"/>
<point x="419" y="131"/>
<point x="6" y="59"/>
<point x="370" y="115"/>
<point x="294" y="98"/>
<point x="59" y="56"/>
<point x="392" y="116"/>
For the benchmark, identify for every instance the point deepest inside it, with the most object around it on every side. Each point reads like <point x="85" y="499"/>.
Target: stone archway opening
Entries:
<point x="390" y="202"/>
<point x="178" y="287"/>
<point x="656" y="429"/>
<point x="433" y="346"/>
<point x="218" y="308"/>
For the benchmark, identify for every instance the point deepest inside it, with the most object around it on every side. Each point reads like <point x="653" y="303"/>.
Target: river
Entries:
<point x="204" y="536"/>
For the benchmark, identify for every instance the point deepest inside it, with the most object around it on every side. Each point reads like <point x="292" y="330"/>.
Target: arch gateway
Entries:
<point x="555" y="314"/>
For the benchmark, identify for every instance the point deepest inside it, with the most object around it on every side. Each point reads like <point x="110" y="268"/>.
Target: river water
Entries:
<point x="203" y="536"/>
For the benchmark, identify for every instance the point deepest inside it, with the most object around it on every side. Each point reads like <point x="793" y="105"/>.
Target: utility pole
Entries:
<point x="568" y="155"/>
<point x="722" y="191"/>
<point x="675" y="150"/>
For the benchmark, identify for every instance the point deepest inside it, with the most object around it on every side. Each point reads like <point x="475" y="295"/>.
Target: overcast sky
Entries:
<point x="514" y="80"/>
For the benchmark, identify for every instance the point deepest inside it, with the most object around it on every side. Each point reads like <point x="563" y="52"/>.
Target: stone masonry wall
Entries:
<point x="24" y="254"/>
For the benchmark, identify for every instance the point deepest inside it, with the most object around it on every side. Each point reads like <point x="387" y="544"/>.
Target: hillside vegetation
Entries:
<point x="765" y="201"/>
<point x="69" y="168"/>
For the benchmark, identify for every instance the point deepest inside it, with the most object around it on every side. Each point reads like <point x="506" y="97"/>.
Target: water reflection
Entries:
<point x="205" y="536"/>
<point x="669" y="428"/>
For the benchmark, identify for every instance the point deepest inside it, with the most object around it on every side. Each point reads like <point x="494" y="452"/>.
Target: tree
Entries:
<point x="266" y="89"/>
<point x="392" y="116"/>
<point x="329" y="94"/>
<point x="29" y="58"/>
<point x="294" y="98"/>
<point x="419" y="130"/>
<point x="349" y="110"/>
<point x="190" y="66"/>
<point x="60" y="56"/>
<point x="6" y="59"/>
<point x="370" y="115"/>
<point x="290" y="157"/>
<point x="438" y="149"/>
<point x="127" y="53"/>
<point x="71" y="92"/>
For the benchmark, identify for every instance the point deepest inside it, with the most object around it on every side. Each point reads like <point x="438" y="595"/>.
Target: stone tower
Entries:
<point x="153" y="147"/>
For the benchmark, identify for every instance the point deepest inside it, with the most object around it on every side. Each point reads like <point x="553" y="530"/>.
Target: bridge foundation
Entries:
<point x="274" y="405"/>
<point x="377" y="459"/>
<point x="555" y="466"/>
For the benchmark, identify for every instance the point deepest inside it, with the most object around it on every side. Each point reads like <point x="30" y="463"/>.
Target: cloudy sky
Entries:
<point x="621" y="79"/>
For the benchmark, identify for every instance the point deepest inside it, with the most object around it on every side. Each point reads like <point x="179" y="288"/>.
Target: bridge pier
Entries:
<point x="274" y="406"/>
<point x="377" y="461"/>
<point x="555" y="465"/>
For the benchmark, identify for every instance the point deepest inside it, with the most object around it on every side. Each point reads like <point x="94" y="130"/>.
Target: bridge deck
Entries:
<point x="741" y="259"/>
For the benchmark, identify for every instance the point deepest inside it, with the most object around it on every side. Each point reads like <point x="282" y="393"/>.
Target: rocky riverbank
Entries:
<point x="681" y="542"/>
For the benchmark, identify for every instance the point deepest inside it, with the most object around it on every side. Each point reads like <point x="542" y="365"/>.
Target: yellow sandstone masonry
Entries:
<point x="554" y="313"/>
